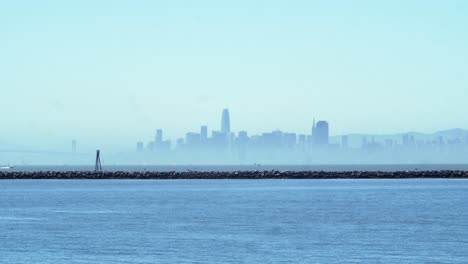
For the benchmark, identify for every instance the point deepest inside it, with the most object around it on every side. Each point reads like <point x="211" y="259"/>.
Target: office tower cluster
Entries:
<point x="157" y="145"/>
<point x="224" y="139"/>
<point x="223" y="146"/>
<point x="219" y="140"/>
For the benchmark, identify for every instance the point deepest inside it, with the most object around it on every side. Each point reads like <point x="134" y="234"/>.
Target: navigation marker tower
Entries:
<point x="97" y="166"/>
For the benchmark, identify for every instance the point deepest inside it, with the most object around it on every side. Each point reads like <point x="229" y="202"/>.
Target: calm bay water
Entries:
<point x="234" y="221"/>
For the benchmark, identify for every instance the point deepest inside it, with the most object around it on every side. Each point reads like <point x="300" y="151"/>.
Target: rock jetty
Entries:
<point x="154" y="175"/>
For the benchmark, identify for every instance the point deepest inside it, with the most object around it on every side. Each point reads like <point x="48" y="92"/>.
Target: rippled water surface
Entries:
<point x="234" y="221"/>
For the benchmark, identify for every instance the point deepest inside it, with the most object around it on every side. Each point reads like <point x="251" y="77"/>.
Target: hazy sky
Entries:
<point x="114" y="71"/>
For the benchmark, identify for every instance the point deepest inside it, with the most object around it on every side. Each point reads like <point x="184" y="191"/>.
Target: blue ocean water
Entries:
<point x="234" y="221"/>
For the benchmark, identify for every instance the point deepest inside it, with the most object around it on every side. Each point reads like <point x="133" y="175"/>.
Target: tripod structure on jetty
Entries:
<point x="97" y="166"/>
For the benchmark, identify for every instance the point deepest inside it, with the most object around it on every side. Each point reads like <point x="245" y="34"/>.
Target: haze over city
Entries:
<point x="109" y="73"/>
<point x="222" y="146"/>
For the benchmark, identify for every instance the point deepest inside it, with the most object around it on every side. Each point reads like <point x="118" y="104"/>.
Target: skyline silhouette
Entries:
<point x="319" y="136"/>
<point x="109" y="72"/>
<point x="324" y="136"/>
<point x="224" y="145"/>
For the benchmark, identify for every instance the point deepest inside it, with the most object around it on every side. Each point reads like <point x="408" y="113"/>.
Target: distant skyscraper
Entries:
<point x="441" y="140"/>
<point x="225" y="122"/>
<point x="204" y="134"/>
<point x="388" y="143"/>
<point x="289" y="140"/>
<point x="150" y="146"/>
<point x="320" y="133"/>
<point x="140" y="146"/>
<point x="73" y="146"/>
<point x="309" y="141"/>
<point x="344" y="141"/>
<point x="364" y="142"/>
<point x="405" y="140"/>
<point x="273" y="139"/>
<point x="192" y="139"/>
<point x="408" y="140"/>
<point x="180" y="142"/>
<point x="243" y="136"/>
<point x="159" y="137"/>
<point x="166" y="145"/>
<point x="219" y="140"/>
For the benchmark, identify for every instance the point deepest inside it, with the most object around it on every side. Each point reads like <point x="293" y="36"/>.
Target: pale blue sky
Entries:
<point x="114" y="71"/>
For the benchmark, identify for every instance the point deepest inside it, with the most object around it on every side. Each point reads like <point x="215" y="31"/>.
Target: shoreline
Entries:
<point x="188" y="175"/>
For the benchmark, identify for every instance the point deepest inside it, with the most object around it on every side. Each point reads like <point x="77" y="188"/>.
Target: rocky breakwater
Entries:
<point x="147" y="175"/>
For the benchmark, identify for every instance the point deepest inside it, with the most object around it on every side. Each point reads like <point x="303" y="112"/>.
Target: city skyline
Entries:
<point x="319" y="135"/>
<point x="111" y="71"/>
<point x="204" y="132"/>
<point x="226" y="146"/>
<point x="225" y="125"/>
<point x="210" y="145"/>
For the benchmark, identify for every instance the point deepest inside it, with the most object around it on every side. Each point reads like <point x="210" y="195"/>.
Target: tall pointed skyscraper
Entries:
<point x="225" y="122"/>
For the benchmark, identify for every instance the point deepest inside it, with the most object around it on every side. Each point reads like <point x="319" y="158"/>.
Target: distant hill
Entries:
<point x="355" y="140"/>
<point x="453" y="133"/>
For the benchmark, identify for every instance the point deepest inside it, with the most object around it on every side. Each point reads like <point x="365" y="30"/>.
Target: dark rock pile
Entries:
<point x="234" y="175"/>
